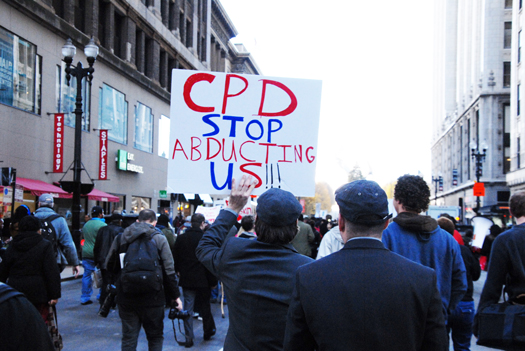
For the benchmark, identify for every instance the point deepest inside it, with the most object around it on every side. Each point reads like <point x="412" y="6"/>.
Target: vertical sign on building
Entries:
<point x="58" y="154"/>
<point x="103" y="155"/>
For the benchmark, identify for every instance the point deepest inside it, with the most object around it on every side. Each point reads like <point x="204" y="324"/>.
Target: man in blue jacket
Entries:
<point x="67" y="252"/>
<point x="257" y="274"/>
<point x="420" y="239"/>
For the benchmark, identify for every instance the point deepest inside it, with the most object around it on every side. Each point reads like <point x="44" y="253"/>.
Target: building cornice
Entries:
<point x="467" y="110"/>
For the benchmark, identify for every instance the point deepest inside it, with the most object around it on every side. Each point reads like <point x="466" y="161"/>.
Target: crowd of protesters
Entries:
<point x="272" y="267"/>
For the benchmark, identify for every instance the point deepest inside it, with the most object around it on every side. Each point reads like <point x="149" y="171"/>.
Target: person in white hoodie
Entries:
<point x="331" y="242"/>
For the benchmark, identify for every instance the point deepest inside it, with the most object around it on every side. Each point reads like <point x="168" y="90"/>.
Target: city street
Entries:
<point x="83" y="330"/>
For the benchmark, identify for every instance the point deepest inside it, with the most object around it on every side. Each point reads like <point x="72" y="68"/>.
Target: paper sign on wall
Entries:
<point x="226" y="125"/>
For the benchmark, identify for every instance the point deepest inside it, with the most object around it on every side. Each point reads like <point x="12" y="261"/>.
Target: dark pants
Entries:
<point x="104" y="288"/>
<point x="151" y="318"/>
<point x="203" y="295"/>
<point x="460" y="321"/>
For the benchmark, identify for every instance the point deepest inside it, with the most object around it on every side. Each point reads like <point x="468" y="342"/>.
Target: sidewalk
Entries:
<point x="67" y="273"/>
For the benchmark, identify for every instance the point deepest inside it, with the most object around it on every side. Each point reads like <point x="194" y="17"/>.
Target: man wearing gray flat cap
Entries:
<point x="364" y="297"/>
<point x="257" y="274"/>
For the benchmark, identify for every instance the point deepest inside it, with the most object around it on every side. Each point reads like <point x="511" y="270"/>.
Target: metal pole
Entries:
<point x="13" y="184"/>
<point x="77" y="162"/>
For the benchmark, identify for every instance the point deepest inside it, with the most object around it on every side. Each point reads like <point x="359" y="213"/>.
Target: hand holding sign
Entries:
<point x="240" y="195"/>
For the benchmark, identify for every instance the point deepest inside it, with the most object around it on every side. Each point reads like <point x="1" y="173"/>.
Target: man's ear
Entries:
<point x="342" y="223"/>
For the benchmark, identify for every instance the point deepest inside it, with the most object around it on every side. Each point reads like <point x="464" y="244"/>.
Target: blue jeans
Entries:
<point x="87" y="281"/>
<point x="151" y="318"/>
<point x="460" y="321"/>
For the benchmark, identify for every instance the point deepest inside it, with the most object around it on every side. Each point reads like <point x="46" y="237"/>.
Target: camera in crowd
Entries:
<point x="109" y="301"/>
<point x="176" y="314"/>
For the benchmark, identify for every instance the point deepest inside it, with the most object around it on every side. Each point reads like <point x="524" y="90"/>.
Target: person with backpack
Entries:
<point x="29" y="266"/>
<point x="140" y="259"/>
<point x="55" y="229"/>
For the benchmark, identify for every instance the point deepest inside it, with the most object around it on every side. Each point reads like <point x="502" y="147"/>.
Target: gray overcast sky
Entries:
<point x="375" y="61"/>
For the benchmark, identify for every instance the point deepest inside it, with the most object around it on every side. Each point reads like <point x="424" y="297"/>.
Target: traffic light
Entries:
<point x="440" y="183"/>
<point x="454" y="177"/>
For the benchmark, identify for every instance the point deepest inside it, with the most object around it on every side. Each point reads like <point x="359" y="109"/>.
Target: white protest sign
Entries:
<point x="209" y="213"/>
<point x="225" y="125"/>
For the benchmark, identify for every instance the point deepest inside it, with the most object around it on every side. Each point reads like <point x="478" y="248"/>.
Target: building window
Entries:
<point x="519" y="46"/>
<point x="139" y="203"/>
<point x="508" y="4"/>
<point x="518" y="158"/>
<point x="164" y="136"/>
<point x="506" y="138"/>
<point x="143" y="128"/>
<point x="113" y="114"/>
<point x="20" y="72"/>
<point x="66" y="97"/>
<point x="506" y="74"/>
<point x="507" y="39"/>
<point x="518" y="107"/>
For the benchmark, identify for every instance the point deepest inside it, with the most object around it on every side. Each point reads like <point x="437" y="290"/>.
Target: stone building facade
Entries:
<point x="516" y="174"/>
<point x="140" y="43"/>
<point x="472" y="100"/>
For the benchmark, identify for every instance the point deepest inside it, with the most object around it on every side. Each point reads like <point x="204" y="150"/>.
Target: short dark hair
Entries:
<point x="147" y="216"/>
<point x="163" y="220"/>
<point x="247" y="222"/>
<point x="196" y="220"/>
<point x="413" y="193"/>
<point x="446" y="224"/>
<point x="360" y="229"/>
<point x="446" y="215"/>
<point x="275" y="235"/>
<point x="29" y="224"/>
<point x="517" y="204"/>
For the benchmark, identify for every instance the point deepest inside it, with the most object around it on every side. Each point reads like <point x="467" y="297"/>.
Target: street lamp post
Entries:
<point x="479" y="157"/>
<point x="91" y="52"/>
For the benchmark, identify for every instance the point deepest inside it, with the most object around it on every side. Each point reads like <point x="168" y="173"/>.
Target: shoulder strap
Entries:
<point x="52" y="217"/>
<point x="7" y="292"/>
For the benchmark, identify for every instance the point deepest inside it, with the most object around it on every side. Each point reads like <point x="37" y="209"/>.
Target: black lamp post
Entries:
<point x="91" y="52"/>
<point x="479" y="157"/>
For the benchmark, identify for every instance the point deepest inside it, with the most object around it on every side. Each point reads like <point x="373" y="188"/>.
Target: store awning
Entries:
<point x="99" y="195"/>
<point x="206" y="198"/>
<point x="38" y="187"/>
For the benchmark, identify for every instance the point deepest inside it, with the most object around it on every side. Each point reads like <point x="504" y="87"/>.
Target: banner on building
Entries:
<point x="103" y="155"/>
<point x="227" y="125"/>
<point x="58" y="143"/>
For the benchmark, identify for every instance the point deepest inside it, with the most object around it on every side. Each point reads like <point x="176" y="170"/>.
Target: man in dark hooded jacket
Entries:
<point x="420" y="239"/>
<point x="105" y="237"/>
<point x="145" y="308"/>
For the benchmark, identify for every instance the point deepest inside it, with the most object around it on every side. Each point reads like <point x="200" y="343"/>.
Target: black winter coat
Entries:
<point x="105" y="237"/>
<point x="30" y="266"/>
<point x="193" y="274"/>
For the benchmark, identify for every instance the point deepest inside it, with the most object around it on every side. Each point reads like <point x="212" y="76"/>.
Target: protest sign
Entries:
<point x="225" y="125"/>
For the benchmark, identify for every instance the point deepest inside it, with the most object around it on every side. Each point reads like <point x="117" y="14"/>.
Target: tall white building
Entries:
<point x="472" y="104"/>
<point x="516" y="174"/>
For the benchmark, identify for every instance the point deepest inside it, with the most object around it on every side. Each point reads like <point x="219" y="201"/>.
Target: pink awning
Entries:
<point x="38" y="187"/>
<point x="99" y="195"/>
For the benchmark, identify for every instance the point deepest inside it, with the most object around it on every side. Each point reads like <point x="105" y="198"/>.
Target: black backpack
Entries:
<point x="142" y="271"/>
<point x="49" y="233"/>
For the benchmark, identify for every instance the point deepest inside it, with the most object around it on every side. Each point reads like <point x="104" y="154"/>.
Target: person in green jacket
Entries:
<point x="163" y="224"/>
<point x="89" y="231"/>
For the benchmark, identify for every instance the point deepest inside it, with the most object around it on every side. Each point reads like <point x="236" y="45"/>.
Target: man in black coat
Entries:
<point x="196" y="281"/>
<point x="105" y="237"/>
<point x="364" y="297"/>
<point x="257" y="274"/>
